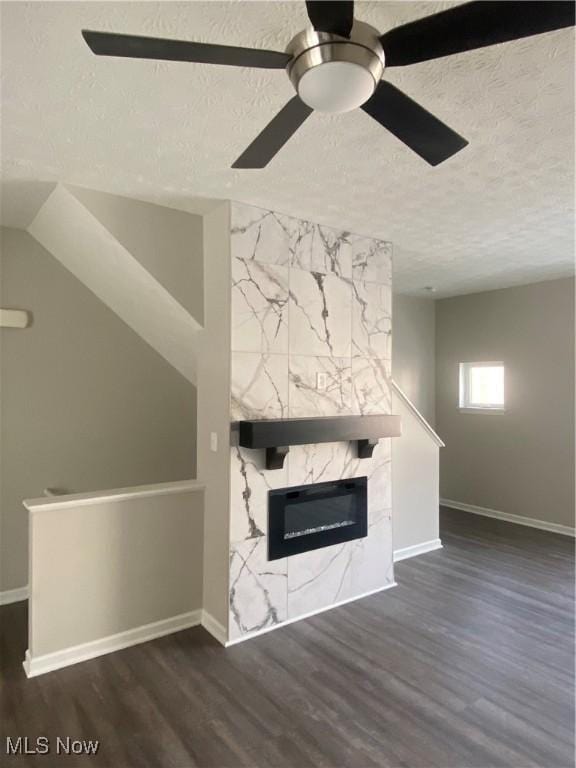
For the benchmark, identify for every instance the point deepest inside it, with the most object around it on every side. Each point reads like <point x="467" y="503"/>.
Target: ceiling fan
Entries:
<point x="337" y="66"/>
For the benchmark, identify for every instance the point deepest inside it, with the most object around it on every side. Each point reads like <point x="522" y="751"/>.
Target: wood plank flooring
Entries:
<point x="469" y="662"/>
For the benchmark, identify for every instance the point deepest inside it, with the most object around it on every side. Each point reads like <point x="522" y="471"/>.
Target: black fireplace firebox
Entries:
<point x="307" y="517"/>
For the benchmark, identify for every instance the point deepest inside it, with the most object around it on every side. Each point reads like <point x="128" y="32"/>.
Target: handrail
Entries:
<point x="52" y="503"/>
<point x="406" y="400"/>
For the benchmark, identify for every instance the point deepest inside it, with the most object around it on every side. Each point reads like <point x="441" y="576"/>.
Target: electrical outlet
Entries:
<point x="213" y="441"/>
<point x="321" y="380"/>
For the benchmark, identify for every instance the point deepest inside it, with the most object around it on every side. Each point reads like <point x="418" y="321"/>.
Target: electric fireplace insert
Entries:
<point x="308" y="517"/>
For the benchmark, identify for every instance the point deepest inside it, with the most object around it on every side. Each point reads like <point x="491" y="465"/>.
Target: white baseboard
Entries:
<point x="13" y="595"/>
<point x="38" y="665"/>
<point x="416" y="549"/>
<point x="264" y="631"/>
<point x="507" y="517"/>
<point x="217" y="630"/>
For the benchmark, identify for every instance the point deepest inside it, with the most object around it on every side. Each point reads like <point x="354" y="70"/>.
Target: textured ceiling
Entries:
<point x="499" y="213"/>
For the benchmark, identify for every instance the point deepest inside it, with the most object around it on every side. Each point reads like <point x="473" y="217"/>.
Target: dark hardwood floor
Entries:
<point x="468" y="662"/>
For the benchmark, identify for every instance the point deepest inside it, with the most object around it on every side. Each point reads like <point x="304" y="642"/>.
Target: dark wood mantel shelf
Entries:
<point x="277" y="435"/>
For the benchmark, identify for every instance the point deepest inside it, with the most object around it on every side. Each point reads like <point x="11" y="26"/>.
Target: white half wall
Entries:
<point x="415" y="482"/>
<point x="108" y="570"/>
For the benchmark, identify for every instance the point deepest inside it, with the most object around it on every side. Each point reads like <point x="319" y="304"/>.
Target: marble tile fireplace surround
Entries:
<point x="311" y="336"/>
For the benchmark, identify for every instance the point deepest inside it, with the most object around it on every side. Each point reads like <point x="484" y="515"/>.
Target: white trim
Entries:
<point x="50" y="661"/>
<point x="474" y="411"/>
<point x="410" y="405"/>
<point x="264" y="631"/>
<point x="214" y="627"/>
<point x="52" y="503"/>
<point x="14" y="595"/>
<point x="508" y="517"/>
<point x="416" y="549"/>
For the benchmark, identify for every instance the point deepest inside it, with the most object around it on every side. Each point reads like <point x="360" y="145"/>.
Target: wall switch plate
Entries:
<point x="321" y="380"/>
<point x="213" y="441"/>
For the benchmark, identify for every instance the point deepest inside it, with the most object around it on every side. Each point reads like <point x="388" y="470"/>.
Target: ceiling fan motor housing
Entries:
<point x="336" y="74"/>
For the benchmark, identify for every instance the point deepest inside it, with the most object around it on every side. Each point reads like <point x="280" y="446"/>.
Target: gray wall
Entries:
<point x="165" y="241"/>
<point x="522" y="461"/>
<point x="213" y="414"/>
<point x="86" y="404"/>
<point x="413" y="351"/>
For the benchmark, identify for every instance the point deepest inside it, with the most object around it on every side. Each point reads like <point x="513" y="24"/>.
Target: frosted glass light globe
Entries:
<point x="336" y="86"/>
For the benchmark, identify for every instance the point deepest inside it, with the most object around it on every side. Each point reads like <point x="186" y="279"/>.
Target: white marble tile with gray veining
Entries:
<point x="259" y="386"/>
<point x="372" y="564"/>
<point x="371" y="391"/>
<point x="324" y="577"/>
<point x="250" y="482"/>
<point x="300" y="241"/>
<point x="307" y="398"/>
<point x="372" y="260"/>
<point x="322" y="249"/>
<point x="319" y="578"/>
<point x="378" y="469"/>
<point x="324" y="462"/>
<point x="371" y="321"/>
<point x="319" y="314"/>
<point x="259" y="307"/>
<point x="258" y="588"/>
<point x="259" y="234"/>
<point x="307" y="299"/>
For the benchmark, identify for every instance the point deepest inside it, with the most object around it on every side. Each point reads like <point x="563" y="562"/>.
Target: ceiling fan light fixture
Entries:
<point x="336" y="74"/>
<point x="336" y="86"/>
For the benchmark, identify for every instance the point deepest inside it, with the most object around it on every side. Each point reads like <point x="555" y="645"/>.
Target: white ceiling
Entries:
<point x="499" y="213"/>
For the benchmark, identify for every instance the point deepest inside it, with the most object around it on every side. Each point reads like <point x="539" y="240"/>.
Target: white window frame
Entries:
<point x="464" y="403"/>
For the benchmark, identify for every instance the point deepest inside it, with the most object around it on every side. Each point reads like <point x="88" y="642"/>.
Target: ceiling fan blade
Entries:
<point x="473" y="25"/>
<point x="275" y="135"/>
<point x="413" y="125"/>
<point x="134" y="47"/>
<point x="335" y="16"/>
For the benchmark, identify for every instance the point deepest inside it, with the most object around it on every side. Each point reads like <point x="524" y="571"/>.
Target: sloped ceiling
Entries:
<point x="499" y="213"/>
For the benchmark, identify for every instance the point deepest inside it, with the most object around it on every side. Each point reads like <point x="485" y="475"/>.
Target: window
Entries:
<point x="482" y="386"/>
